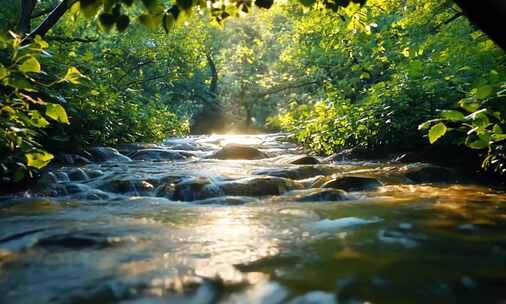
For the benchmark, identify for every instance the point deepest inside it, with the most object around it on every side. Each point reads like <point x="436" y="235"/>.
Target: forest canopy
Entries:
<point x="379" y="77"/>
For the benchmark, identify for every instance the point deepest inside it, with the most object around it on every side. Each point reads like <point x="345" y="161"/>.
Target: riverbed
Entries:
<point x="181" y="223"/>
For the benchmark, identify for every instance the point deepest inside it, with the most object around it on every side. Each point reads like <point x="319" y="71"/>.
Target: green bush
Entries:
<point x="24" y="112"/>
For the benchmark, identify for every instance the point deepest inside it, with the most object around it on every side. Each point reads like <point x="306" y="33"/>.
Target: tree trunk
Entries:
<point x="488" y="15"/>
<point x="25" y="24"/>
<point x="214" y="74"/>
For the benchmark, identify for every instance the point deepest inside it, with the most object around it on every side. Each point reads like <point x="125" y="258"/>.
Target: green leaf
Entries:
<point x="122" y="23"/>
<point x="436" y="132"/>
<point x="497" y="129"/>
<point x="38" y="159"/>
<point x="4" y="72"/>
<point x="57" y="112"/>
<point x="484" y="91"/>
<point x="30" y="65"/>
<point x="482" y="142"/>
<point x="38" y="120"/>
<point x="427" y="124"/>
<point x="168" y="22"/>
<point x="106" y="21"/>
<point x="452" y="115"/>
<point x="469" y="105"/>
<point x="72" y="75"/>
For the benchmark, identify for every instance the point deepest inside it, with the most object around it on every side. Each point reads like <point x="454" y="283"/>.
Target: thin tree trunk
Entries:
<point x="214" y="74"/>
<point x="25" y="24"/>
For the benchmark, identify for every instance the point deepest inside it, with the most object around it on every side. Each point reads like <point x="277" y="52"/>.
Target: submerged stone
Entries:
<point x="236" y="151"/>
<point x="352" y="183"/>
<point x="426" y="173"/>
<point x="305" y="160"/>
<point x="102" y="154"/>
<point x="78" y="174"/>
<point x="195" y="188"/>
<point x="125" y="186"/>
<point x="300" y="172"/>
<point x="321" y="195"/>
<point x="259" y="186"/>
<point x="160" y="154"/>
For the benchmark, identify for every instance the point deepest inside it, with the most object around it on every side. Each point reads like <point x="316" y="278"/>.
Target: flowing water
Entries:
<point x="123" y="231"/>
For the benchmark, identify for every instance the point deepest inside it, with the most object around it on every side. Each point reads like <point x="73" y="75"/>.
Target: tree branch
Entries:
<point x="451" y="19"/>
<point x="42" y="12"/>
<point x="50" y="20"/>
<point x="27" y="7"/>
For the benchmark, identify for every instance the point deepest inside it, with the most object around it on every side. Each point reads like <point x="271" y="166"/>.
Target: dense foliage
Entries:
<point x="388" y="67"/>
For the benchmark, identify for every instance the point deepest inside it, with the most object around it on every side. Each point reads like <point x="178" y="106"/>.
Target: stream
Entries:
<point x="250" y="219"/>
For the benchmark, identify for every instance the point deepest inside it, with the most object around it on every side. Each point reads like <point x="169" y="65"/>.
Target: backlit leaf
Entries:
<point x="436" y="131"/>
<point x="38" y="159"/>
<point x="57" y="112"/>
<point x="30" y="65"/>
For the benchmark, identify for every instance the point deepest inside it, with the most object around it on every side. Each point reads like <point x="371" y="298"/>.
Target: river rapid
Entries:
<point x="189" y="221"/>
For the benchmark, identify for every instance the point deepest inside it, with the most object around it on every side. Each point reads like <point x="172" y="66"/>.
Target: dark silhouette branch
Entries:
<point x="25" y="25"/>
<point x="446" y="22"/>
<point x="50" y="21"/>
<point x="42" y="13"/>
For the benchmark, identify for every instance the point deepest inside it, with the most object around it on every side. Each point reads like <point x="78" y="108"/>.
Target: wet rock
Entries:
<point x="235" y="151"/>
<point x="426" y="173"/>
<point x="92" y="195"/>
<point x="352" y="183"/>
<point x="185" y="147"/>
<point x="196" y="188"/>
<point x="78" y="174"/>
<point x="225" y="200"/>
<point x="102" y="154"/>
<point x="126" y="186"/>
<point x="47" y="179"/>
<point x="129" y="149"/>
<point x="305" y="160"/>
<point x="259" y="186"/>
<point x="76" y="241"/>
<point x="160" y="154"/>
<point x="73" y="188"/>
<point x="320" y="195"/>
<point x="72" y="159"/>
<point x="166" y="190"/>
<point x="299" y="172"/>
